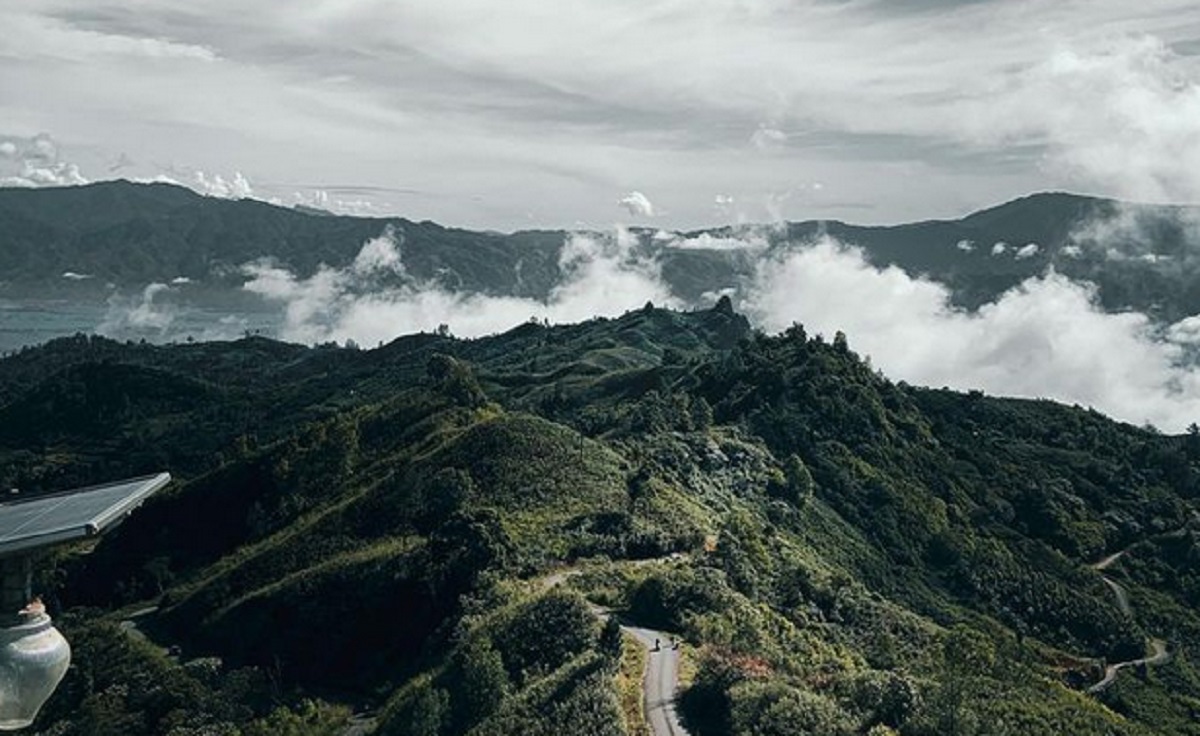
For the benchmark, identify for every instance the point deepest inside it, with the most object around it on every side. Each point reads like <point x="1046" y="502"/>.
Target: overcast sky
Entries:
<point x="679" y="113"/>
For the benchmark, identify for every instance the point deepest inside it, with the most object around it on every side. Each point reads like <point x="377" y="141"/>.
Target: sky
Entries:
<point x="596" y="115"/>
<point x="673" y="113"/>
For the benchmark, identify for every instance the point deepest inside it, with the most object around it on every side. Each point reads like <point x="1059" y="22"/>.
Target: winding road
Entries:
<point x="661" y="682"/>
<point x="1159" y="647"/>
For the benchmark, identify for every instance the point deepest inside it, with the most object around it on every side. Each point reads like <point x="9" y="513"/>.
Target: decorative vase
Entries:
<point x="33" y="659"/>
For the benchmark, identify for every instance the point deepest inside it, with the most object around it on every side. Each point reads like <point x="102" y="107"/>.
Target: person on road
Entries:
<point x="656" y="647"/>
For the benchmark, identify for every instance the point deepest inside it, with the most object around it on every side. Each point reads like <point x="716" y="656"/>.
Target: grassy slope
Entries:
<point x="858" y="554"/>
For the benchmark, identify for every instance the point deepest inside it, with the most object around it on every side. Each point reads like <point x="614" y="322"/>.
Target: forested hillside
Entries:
<point x="427" y="531"/>
<point x="129" y="235"/>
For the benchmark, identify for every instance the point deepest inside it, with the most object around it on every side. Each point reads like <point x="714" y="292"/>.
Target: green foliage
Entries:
<point x="482" y="677"/>
<point x="850" y="555"/>
<point x="772" y="709"/>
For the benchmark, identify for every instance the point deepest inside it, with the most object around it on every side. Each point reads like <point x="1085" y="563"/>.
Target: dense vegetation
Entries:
<point x="374" y="529"/>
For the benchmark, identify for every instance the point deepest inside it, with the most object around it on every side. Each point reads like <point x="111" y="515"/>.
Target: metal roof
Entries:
<point x="70" y="515"/>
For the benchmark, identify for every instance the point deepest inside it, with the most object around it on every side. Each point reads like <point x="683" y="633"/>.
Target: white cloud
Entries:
<point x="704" y="241"/>
<point x="35" y="162"/>
<point x="638" y="204"/>
<point x="602" y="275"/>
<point x="379" y="255"/>
<point x="1029" y="250"/>
<point x="216" y="185"/>
<point x="766" y="138"/>
<point x="1046" y="338"/>
<point x="73" y="276"/>
<point x="1072" y="251"/>
<point x="561" y="108"/>
<point x="999" y="249"/>
<point x="145" y="315"/>
<point x="966" y="246"/>
<point x="1123" y="116"/>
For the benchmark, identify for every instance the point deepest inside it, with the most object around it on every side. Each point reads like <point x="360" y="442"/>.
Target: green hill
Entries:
<point x="839" y="553"/>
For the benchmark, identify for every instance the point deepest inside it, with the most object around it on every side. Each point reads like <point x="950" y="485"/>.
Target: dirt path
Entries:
<point x="1160" y="656"/>
<point x="1158" y="646"/>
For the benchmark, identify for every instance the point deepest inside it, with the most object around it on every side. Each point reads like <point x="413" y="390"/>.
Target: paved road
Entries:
<point x="661" y="683"/>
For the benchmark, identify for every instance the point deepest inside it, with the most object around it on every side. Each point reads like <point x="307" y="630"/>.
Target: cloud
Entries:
<point x="1124" y="117"/>
<point x="1029" y="250"/>
<point x="237" y="187"/>
<point x="1121" y="232"/>
<point x="145" y="315"/>
<point x="376" y="300"/>
<point x="322" y="200"/>
<point x="966" y="246"/>
<point x="562" y="108"/>
<point x="999" y="249"/>
<point x="35" y="162"/>
<point x="766" y="138"/>
<point x="751" y="240"/>
<point x="638" y="204"/>
<point x="1046" y="338"/>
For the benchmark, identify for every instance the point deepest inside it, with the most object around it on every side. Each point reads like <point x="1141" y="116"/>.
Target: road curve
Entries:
<point x="661" y="682"/>
<point x="1160" y="655"/>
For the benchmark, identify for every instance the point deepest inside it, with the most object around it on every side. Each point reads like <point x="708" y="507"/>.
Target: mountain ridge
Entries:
<point x="132" y="234"/>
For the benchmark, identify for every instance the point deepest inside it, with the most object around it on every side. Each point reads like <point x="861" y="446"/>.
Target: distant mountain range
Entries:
<point x="132" y="234"/>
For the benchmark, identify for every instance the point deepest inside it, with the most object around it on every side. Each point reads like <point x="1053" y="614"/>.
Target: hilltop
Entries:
<point x="839" y="553"/>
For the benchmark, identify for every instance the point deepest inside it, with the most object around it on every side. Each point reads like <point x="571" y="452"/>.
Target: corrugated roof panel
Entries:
<point x="74" y="514"/>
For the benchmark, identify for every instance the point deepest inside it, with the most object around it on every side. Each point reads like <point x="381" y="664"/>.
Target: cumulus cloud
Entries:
<point x="1046" y="338"/>
<point x="1124" y="116"/>
<point x="966" y="246"/>
<point x="237" y="187"/>
<point x="638" y="204"/>
<point x="999" y="249"/>
<point x="375" y="300"/>
<point x="35" y="162"/>
<point x="74" y="276"/>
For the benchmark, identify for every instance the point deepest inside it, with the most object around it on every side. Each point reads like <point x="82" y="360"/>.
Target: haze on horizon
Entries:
<point x="666" y="113"/>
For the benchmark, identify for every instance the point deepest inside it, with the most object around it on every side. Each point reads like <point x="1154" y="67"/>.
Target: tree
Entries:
<point x="484" y="680"/>
<point x="611" y="641"/>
